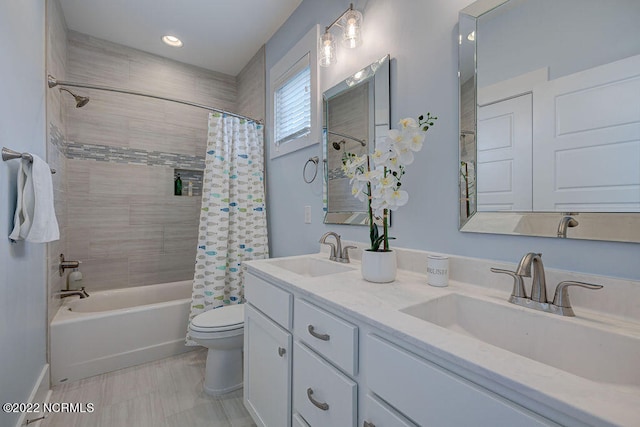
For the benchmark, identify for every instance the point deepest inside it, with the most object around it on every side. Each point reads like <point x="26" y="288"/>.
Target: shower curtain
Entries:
<point x="233" y="226"/>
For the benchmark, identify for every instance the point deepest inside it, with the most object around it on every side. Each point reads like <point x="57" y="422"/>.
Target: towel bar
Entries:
<point x="8" y="154"/>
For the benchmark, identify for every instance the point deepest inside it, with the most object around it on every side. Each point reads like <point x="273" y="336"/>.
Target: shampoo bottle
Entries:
<point x="74" y="281"/>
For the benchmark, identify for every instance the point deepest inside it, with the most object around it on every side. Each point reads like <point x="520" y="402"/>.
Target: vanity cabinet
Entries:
<point x="335" y="370"/>
<point x="267" y="353"/>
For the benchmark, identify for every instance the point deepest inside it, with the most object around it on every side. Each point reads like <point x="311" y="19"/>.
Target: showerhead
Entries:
<point x="338" y="145"/>
<point x="81" y="101"/>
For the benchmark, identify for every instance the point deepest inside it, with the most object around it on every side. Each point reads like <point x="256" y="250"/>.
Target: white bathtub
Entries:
<point x="119" y="328"/>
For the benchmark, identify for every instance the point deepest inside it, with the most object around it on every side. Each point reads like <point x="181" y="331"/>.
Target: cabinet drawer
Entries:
<point x="268" y="298"/>
<point x="432" y="396"/>
<point x="329" y="335"/>
<point x="378" y="414"/>
<point x="322" y="395"/>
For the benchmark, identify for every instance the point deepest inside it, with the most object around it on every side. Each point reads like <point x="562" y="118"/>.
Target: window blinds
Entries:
<point x="293" y="103"/>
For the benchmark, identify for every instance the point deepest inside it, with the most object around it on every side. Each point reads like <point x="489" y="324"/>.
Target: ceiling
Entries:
<point x="220" y="35"/>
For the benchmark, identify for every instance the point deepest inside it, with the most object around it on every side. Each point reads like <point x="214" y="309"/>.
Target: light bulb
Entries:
<point x="327" y="48"/>
<point x="351" y="23"/>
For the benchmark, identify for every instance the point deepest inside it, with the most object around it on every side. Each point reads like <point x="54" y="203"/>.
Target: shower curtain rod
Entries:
<point x="53" y="82"/>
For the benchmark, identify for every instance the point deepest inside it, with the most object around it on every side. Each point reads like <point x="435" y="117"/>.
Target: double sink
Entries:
<point x="600" y="350"/>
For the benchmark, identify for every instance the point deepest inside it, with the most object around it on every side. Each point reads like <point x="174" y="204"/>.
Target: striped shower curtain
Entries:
<point x="233" y="226"/>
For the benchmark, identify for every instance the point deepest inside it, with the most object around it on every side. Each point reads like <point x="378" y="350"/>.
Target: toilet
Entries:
<point x="221" y="330"/>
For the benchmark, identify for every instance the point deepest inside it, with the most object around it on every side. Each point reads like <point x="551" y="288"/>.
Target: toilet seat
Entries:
<point x="227" y="318"/>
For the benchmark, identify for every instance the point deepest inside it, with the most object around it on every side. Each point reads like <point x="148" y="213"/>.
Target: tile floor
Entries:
<point x="164" y="393"/>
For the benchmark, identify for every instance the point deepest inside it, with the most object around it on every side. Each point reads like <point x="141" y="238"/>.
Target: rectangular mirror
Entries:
<point x="355" y="116"/>
<point x="550" y="118"/>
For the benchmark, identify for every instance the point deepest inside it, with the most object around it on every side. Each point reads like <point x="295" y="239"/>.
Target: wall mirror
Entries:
<point x="355" y="116"/>
<point x="550" y="118"/>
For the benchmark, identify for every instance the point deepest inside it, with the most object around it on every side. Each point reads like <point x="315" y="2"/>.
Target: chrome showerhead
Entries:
<point x="81" y="101"/>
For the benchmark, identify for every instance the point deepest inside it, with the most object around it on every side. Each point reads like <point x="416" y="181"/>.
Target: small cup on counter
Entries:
<point x="437" y="270"/>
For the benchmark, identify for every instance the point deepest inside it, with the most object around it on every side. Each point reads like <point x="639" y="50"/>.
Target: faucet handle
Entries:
<point x="561" y="297"/>
<point x="518" y="284"/>
<point x="344" y="257"/>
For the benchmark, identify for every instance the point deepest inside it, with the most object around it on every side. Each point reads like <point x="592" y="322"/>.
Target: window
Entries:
<point x="293" y="88"/>
<point x="292" y="108"/>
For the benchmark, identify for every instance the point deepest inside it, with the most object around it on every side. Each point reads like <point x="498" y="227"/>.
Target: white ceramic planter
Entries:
<point x="379" y="267"/>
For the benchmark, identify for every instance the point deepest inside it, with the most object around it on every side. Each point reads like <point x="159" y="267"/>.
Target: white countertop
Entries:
<point x="540" y="387"/>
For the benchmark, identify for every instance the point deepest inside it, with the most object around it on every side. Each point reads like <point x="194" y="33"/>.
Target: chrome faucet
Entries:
<point x="538" y="300"/>
<point x="338" y="253"/>
<point x="71" y="292"/>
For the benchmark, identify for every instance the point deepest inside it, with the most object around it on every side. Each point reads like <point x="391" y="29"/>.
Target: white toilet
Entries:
<point x="221" y="330"/>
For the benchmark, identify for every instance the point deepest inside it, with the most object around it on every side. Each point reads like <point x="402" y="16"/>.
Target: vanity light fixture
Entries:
<point x="172" y="41"/>
<point x="350" y="22"/>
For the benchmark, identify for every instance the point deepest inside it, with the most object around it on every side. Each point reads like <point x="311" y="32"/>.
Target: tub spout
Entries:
<point x="82" y="293"/>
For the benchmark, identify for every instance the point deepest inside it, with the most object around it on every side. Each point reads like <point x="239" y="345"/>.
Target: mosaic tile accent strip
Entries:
<point x="336" y="173"/>
<point x="56" y="137"/>
<point x="103" y="153"/>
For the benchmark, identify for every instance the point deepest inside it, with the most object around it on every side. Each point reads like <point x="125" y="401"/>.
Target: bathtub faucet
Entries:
<point x="79" y="292"/>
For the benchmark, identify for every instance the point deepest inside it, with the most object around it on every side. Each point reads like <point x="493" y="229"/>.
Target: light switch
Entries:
<point x="307" y="214"/>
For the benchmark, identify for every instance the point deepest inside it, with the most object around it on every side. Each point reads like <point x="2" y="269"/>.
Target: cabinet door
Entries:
<point x="267" y="370"/>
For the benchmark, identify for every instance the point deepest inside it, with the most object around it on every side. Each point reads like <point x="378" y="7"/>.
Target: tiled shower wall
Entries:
<point x="123" y="221"/>
<point x="56" y="65"/>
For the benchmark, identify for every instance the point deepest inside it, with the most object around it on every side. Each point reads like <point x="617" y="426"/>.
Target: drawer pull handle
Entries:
<point x="281" y="351"/>
<point x="319" y="405"/>
<point x="323" y="337"/>
<point x="368" y="424"/>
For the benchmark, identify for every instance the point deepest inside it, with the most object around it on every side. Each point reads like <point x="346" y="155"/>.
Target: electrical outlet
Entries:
<point x="307" y="214"/>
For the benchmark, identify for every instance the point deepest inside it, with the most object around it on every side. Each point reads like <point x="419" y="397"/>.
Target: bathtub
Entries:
<point x="119" y="328"/>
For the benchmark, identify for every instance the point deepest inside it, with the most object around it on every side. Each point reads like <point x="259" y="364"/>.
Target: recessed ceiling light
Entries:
<point x="172" y="41"/>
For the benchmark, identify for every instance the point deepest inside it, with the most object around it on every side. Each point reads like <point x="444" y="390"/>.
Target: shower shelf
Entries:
<point x="193" y="175"/>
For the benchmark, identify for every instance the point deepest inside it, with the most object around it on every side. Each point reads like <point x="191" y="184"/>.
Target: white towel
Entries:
<point x="35" y="216"/>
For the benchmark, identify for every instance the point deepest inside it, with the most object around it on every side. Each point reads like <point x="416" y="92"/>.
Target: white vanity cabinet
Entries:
<point x="339" y="370"/>
<point x="267" y="353"/>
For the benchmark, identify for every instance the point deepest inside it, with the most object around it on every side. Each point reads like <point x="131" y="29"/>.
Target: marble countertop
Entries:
<point x="540" y="387"/>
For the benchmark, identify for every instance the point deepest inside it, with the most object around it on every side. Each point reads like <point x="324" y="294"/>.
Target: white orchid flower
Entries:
<point x="404" y="153"/>
<point x="395" y="137"/>
<point x="416" y="140"/>
<point x="408" y="123"/>
<point x="358" y="190"/>
<point x="386" y="182"/>
<point x="371" y="176"/>
<point x="380" y="156"/>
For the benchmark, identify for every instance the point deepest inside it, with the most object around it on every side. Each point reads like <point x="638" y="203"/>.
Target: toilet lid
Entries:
<point x="220" y="319"/>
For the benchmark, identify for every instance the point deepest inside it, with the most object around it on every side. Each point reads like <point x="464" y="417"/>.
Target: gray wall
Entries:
<point x="421" y="36"/>
<point x="22" y="265"/>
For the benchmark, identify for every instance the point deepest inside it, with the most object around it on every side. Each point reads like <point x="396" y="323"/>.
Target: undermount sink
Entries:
<point x="578" y="346"/>
<point x="310" y="267"/>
